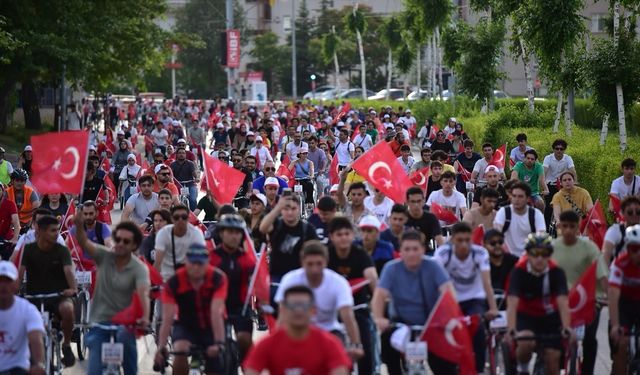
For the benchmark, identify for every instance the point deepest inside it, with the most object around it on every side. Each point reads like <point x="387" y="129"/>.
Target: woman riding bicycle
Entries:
<point x="128" y="176"/>
<point x="571" y="197"/>
<point x="304" y="173"/>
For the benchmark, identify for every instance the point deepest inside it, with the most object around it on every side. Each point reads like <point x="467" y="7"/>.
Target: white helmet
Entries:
<point x="632" y="235"/>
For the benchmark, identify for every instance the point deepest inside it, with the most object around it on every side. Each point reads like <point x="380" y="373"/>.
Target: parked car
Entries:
<point x="355" y="93"/>
<point x="416" y="95"/>
<point x="394" y="94"/>
<point x="318" y="91"/>
<point x="329" y="95"/>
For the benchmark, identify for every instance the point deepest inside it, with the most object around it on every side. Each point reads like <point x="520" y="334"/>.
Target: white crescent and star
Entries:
<point x="499" y="152"/>
<point x="76" y="163"/>
<point x="423" y="179"/>
<point x="377" y="165"/>
<point x="582" y="294"/>
<point x="451" y="326"/>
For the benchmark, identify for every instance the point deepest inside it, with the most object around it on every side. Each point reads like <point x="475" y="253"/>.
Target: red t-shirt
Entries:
<point x="317" y="354"/>
<point x="625" y="276"/>
<point x="7" y="209"/>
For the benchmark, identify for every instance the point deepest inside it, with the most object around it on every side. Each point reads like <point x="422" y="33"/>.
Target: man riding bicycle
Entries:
<point x="304" y="172"/>
<point x="196" y="295"/>
<point x="25" y="197"/>
<point x="9" y="223"/>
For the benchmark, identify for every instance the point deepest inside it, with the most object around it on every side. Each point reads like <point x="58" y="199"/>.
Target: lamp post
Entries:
<point x="313" y="86"/>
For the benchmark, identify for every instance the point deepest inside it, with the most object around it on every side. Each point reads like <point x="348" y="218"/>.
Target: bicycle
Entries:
<point x="498" y="351"/>
<point x="306" y="210"/>
<point x="112" y="352"/>
<point x="633" y="361"/>
<point x="129" y="185"/>
<point x="52" y="337"/>
<point x="82" y="306"/>
<point x="539" y="365"/>
<point x="184" y="192"/>
<point x="415" y="353"/>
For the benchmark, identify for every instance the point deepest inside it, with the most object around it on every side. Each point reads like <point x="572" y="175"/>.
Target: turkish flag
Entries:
<point x="346" y="107"/>
<point x="447" y="334"/>
<point x="284" y="171"/>
<point x="421" y="178"/>
<point x="222" y="180"/>
<point x="477" y="236"/>
<point x="112" y="192"/>
<point x="512" y="163"/>
<point x="615" y="204"/>
<point x="443" y="214"/>
<point x="106" y="165"/>
<point x="357" y="284"/>
<point x="466" y="176"/>
<point x="595" y="224"/>
<point x="67" y="221"/>
<point x="262" y="284"/>
<point x="60" y="162"/>
<point x="381" y="168"/>
<point x="104" y="214"/>
<point x="334" y="173"/>
<point x="582" y="298"/>
<point x="379" y="127"/>
<point x="498" y="157"/>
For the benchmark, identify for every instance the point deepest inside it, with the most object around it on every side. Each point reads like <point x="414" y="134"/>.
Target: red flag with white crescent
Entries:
<point x="582" y="298"/>
<point x="498" y="156"/>
<point x="421" y="178"/>
<point x="222" y="180"/>
<point x="617" y="211"/>
<point x="346" y="107"/>
<point x="594" y="225"/>
<point x="443" y="214"/>
<point x="59" y="162"/>
<point x="334" y="173"/>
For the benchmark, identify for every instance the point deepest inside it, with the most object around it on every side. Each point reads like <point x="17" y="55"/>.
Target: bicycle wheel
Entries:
<point x="508" y="365"/>
<point x="231" y="358"/>
<point x="48" y="352"/>
<point x="57" y="366"/>
<point x="82" y="312"/>
<point x="574" y="363"/>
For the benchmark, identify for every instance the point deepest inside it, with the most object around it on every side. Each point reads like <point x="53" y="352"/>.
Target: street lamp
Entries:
<point x="313" y="86"/>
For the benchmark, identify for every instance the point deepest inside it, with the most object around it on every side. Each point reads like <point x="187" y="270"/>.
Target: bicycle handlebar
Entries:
<point x="43" y="296"/>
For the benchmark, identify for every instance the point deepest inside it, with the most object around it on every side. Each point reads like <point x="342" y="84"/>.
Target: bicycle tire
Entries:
<point x="81" y="346"/>
<point x="509" y="362"/>
<point x="574" y="363"/>
<point x="231" y="358"/>
<point x="57" y="353"/>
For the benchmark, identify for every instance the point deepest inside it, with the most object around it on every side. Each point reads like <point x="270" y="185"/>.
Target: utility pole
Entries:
<point x="230" y="71"/>
<point x="63" y="102"/>
<point x="294" y="67"/>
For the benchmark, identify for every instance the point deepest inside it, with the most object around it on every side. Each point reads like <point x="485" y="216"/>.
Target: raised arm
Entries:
<point x="81" y="236"/>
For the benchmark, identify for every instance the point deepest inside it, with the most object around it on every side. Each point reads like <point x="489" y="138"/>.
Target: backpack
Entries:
<point x="620" y="244"/>
<point x="449" y="253"/>
<point x="507" y="219"/>
<point x="99" y="237"/>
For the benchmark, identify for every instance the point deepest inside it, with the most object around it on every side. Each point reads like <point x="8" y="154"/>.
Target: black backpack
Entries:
<point x="449" y="252"/>
<point x="620" y="244"/>
<point x="507" y="219"/>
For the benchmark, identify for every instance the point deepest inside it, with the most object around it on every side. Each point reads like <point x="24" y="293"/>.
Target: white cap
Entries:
<point x="261" y="197"/>
<point x="385" y="116"/>
<point x="28" y="148"/>
<point x="407" y="111"/>
<point x="258" y="139"/>
<point x="453" y="119"/>
<point x="131" y="156"/>
<point x="250" y="134"/>
<point x="270" y="181"/>
<point x="8" y="269"/>
<point x="302" y="149"/>
<point x="182" y="140"/>
<point x="159" y="167"/>
<point x="334" y="188"/>
<point x="369" y="221"/>
<point x="92" y="148"/>
<point x="176" y="123"/>
<point x="119" y="132"/>
<point x="490" y="168"/>
<point x="340" y="123"/>
<point x="219" y="125"/>
<point x="400" y="338"/>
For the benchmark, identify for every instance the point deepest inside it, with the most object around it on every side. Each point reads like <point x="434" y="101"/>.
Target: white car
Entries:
<point x="316" y="94"/>
<point x="394" y="94"/>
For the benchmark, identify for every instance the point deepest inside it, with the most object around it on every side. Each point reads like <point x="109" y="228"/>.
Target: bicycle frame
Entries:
<point x="53" y="350"/>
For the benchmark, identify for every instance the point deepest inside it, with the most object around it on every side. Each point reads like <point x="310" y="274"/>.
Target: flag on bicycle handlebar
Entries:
<point x="443" y="214"/>
<point x="594" y="225"/>
<point x="499" y="156"/>
<point x="60" y="162"/>
<point x="582" y="298"/>
<point x="222" y="180"/>
<point x="447" y="335"/>
<point x="615" y="205"/>
<point x="466" y="176"/>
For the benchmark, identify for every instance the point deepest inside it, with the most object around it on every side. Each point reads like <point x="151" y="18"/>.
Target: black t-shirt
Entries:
<point x="533" y="300"/>
<point x="209" y="209"/>
<point x="45" y="269"/>
<point x="58" y="212"/>
<point x="242" y="191"/>
<point x="468" y="163"/>
<point x="352" y="267"/>
<point x="445" y="146"/>
<point x="428" y="225"/>
<point x="321" y="228"/>
<point x="503" y="198"/>
<point x="286" y="243"/>
<point x="500" y="274"/>
<point x="183" y="171"/>
<point x="92" y="188"/>
<point x="433" y="186"/>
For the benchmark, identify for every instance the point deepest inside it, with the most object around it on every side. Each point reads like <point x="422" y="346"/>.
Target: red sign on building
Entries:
<point x="254" y="76"/>
<point x="233" y="48"/>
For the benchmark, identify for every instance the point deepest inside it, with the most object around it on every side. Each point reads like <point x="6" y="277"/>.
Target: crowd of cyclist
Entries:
<point x="347" y="265"/>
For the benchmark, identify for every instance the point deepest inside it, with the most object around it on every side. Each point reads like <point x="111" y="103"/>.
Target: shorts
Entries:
<point x="628" y="311"/>
<point x="239" y="322"/>
<point x="542" y="325"/>
<point x="201" y="339"/>
<point x="51" y="305"/>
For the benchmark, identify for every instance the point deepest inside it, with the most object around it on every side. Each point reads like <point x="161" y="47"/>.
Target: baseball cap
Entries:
<point x="340" y="124"/>
<point x="92" y="148"/>
<point x="259" y="197"/>
<point x="219" y="125"/>
<point x="271" y="181"/>
<point x="385" y="116"/>
<point x="8" y="270"/>
<point x="158" y="152"/>
<point x="407" y="111"/>
<point x="250" y="134"/>
<point x="490" y="168"/>
<point x="369" y="221"/>
<point x="119" y="132"/>
<point x="303" y="149"/>
<point x="334" y="188"/>
<point x="28" y="148"/>
<point x="197" y="253"/>
<point x="258" y="139"/>
<point x="159" y="167"/>
<point x="182" y="140"/>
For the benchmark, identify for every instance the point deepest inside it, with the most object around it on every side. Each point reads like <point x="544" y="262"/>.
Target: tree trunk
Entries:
<point x="622" y="126"/>
<point x="428" y="56"/>
<point x="556" y="122"/>
<point x="363" y="68"/>
<point x="418" y="67"/>
<point x="389" y="72"/>
<point x="6" y="88"/>
<point x="434" y="58"/>
<point x="526" y="59"/>
<point x="605" y="129"/>
<point x="336" y="66"/>
<point x="30" y="106"/>
<point x="567" y="118"/>
<point x="438" y="55"/>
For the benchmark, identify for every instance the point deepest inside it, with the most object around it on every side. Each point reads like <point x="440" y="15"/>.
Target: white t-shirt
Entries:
<point x="262" y="153"/>
<point x="160" y="137"/>
<point x="129" y="170"/>
<point x="466" y="274"/>
<point x="407" y="166"/>
<point x="614" y="235"/>
<point x="293" y="149"/>
<point x="623" y="190"/>
<point x="333" y="293"/>
<point x="15" y="324"/>
<point x="480" y="166"/>
<point x="519" y="228"/>
<point x="454" y="203"/>
<point x="343" y="152"/>
<point x="554" y="167"/>
<point x="516" y="155"/>
<point x="163" y="244"/>
<point x="407" y="121"/>
<point x="382" y="211"/>
<point x="364" y="142"/>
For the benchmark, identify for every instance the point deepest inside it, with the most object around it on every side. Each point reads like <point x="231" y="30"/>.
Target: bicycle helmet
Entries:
<point x="538" y="241"/>
<point x="231" y="221"/>
<point x="632" y="235"/>
<point x="19" y="173"/>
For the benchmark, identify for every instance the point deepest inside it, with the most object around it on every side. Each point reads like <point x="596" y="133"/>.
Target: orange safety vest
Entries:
<point x="24" y="212"/>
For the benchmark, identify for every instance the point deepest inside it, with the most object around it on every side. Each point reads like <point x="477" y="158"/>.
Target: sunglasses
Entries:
<point x="496" y="243"/>
<point x="164" y="174"/>
<point x="125" y="241"/>
<point x="539" y="253"/>
<point x="270" y="169"/>
<point x="632" y="212"/>
<point x="180" y="217"/>
<point x="298" y="306"/>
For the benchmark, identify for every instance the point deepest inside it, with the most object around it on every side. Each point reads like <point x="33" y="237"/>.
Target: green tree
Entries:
<point x="305" y="62"/>
<point x="267" y="56"/>
<point x="391" y="38"/>
<point x="330" y="45"/>
<point x="356" y="24"/>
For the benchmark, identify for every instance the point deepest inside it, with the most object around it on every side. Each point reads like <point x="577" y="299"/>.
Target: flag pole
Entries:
<point x="84" y="173"/>
<point x="252" y="282"/>
<point x="589" y="218"/>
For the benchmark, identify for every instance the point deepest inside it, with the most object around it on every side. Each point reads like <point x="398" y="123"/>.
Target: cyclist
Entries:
<point x="250" y="166"/>
<point x="160" y="137"/>
<point x="362" y="138"/>
<point x="554" y="164"/>
<point x="164" y="180"/>
<point x="405" y="159"/>
<point x="353" y="263"/>
<point x="326" y="211"/>
<point x="56" y="203"/>
<point x="623" y="296"/>
<point x="5" y="168"/>
<point x="9" y="222"/>
<point x="173" y="241"/>
<point x="531" y="172"/>
<point x="537" y="304"/>
<point x="130" y="173"/>
<point x="485" y="214"/>
<point x="441" y="143"/>
<point x="303" y="171"/>
<point x="331" y="292"/>
<point x="517" y="153"/>
<point x="293" y="148"/>
<point x="425" y="160"/>
<point x="570" y="197"/>
<point x="238" y="264"/>
<point x="575" y="254"/>
<point x="379" y="205"/>
<point x="627" y="184"/>
<point x="195" y="295"/>
<point x="241" y="200"/>
<point x="345" y="150"/>
<point x="187" y="174"/>
<point x="355" y="209"/>
<point x="435" y="177"/>
<point x="517" y="220"/>
<point x="25" y="197"/>
<point x="182" y="144"/>
<point x="466" y="160"/>
<point x="30" y="235"/>
<point x="423" y="221"/>
<point x="615" y="235"/>
<point x="397" y="219"/>
<point x="479" y="169"/>
<point x="449" y="198"/>
<point x="261" y="153"/>
<point x="269" y="171"/>
<point x="413" y="284"/>
<point x="159" y="219"/>
<point x="380" y="251"/>
<point x="50" y="270"/>
<point x="469" y="270"/>
<point x="139" y="205"/>
<point x="21" y="328"/>
<point x="492" y="176"/>
<point x="300" y="347"/>
<point x="97" y="231"/>
<point x="501" y="262"/>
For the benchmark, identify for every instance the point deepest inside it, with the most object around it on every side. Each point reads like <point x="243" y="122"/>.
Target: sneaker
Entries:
<point x="68" y="359"/>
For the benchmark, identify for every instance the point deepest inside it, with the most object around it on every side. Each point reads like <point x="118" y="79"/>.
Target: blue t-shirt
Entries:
<point x="413" y="294"/>
<point x="258" y="184"/>
<point x="91" y="234"/>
